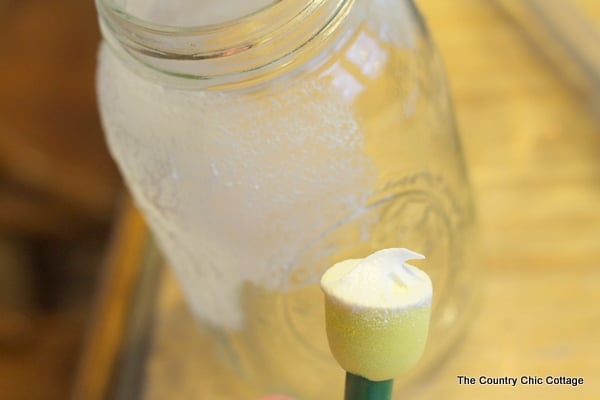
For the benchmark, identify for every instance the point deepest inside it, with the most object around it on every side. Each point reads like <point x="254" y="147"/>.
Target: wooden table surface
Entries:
<point x="532" y="144"/>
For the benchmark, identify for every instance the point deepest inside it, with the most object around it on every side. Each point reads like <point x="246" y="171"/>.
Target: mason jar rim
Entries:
<point x="223" y="52"/>
<point x="147" y="33"/>
<point x="120" y="12"/>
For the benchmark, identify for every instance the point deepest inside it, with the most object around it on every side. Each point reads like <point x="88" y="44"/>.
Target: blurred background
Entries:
<point x="525" y="77"/>
<point x="58" y="192"/>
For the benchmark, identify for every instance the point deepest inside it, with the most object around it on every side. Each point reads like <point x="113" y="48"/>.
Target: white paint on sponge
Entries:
<point x="383" y="280"/>
<point x="377" y="312"/>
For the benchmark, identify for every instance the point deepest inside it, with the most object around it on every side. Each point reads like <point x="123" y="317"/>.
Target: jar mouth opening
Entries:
<point x="118" y="11"/>
<point x="201" y="41"/>
<point x="246" y="45"/>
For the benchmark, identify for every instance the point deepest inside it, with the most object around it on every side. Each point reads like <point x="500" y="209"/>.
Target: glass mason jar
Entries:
<point x="264" y="147"/>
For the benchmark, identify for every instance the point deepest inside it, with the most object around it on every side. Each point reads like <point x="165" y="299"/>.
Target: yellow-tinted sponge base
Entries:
<point x="376" y="343"/>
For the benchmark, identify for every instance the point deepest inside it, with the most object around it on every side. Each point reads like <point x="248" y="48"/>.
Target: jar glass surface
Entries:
<point x="255" y="183"/>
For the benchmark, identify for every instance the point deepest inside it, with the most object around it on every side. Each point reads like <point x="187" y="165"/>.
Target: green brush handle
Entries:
<point x="359" y="388"/>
